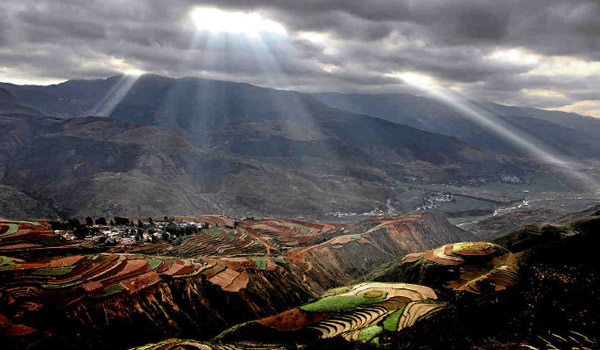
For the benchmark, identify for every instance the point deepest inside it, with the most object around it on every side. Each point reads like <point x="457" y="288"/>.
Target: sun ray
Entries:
<point x="542" y="153"/>
<point x="116" y="94"/>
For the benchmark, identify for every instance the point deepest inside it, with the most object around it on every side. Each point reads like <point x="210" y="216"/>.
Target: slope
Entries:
<point x="255" y="150"/>
<point x="73" y="294"/>
<point x="555" y="129"/>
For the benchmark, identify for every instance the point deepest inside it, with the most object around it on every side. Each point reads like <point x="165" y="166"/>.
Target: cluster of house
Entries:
<point x="130" y="233"/>
<point x="433" y="200"/>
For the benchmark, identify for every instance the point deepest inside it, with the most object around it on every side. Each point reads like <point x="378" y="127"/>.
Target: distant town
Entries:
<point x="124" y="231"/>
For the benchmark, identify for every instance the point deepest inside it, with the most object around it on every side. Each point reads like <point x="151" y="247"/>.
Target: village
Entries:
<point x="123" y="231"/>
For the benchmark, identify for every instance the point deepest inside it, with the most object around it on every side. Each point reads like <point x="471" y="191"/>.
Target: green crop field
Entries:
<point x="154" y="263"/>
<point x="59" y="286"/>
<point x="7" y="263"/>
<point x="279" y="260"/>
<point x="261" y="264"/>
<point x="391" y="322"/>
<point x="33" y="223"/>
<point x="114" y="289"/>
<point x="12" y="228"/>
<point x="54" y="271"/>
<point x="369" y="333"/>
<point x="342" y="303"/>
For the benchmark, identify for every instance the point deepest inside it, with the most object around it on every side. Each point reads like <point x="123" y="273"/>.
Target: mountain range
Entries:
<point x="155" y="145"/>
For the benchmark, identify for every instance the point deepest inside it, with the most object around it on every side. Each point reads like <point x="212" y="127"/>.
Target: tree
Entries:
<point x="73" y="223"/>
<point x="140" y="224"/>
<point x="81" y="232"/>
<point x="89" y="221"/>
<point x="122" y="221"/>
<point x="101" y="221"/>
<point x="61" y="225"/>
<point x="172" y="228"/>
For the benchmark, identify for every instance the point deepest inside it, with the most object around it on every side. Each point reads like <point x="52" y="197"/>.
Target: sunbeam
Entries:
<point x="116" y="94"/>
<point x="544" y="154"/>
<point x="227" y="44"/>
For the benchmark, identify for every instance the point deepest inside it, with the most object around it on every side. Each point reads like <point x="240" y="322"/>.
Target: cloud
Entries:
<point x="586" y="107"/>
<point x="540" y="53"/>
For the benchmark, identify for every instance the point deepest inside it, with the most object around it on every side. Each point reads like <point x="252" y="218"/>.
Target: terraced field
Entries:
<point x="105" y="274"/>
<point x="24" y="236"/>
<point x="247" y="237"/>
<point x="232" y="271"/>
<point x="364" y="312"/>
<point x="210" y="289"/>
<point x="178" y="344"/>
<point x="475" y="265"/>
<point x="219" y="241"/>
<point x="29" y="283"/>
<point x="285" y="234"/>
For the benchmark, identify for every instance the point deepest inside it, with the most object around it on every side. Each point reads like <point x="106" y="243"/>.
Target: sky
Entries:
<point x="536" y="53"/>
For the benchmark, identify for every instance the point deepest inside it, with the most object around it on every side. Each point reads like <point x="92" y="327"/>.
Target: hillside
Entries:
<point x="257" y="151"/>
<point x="554" y="129"/>
<point x="270" y="283"/>
<point x="55" y="290"/>
<point x="501" y="225"/>
<point x="535" y="288"/>
<point x="111" y="167"/>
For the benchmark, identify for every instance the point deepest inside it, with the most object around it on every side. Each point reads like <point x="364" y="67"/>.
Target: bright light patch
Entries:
<point x="21" y="77"/>
<point x="313" y="37"/>
<point x="134" y="72"/>
<point x="543" y="93"/>
<point x="120" y="65"/>
<point x="515" y="56"/>
<point x="329" y="68"/>
<point x="566" y="65"/>
<point x="416" y="79"/>
<point x="247" y="23"/>
<point x="587" y="107"/>
<point x="547" y="65"/>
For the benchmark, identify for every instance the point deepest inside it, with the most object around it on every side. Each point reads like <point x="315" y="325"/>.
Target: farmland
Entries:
<point x="117" y="271"/>
<point x="261" y="283"/>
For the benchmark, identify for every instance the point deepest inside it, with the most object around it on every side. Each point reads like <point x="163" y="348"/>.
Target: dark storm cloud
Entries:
<point x="531" y="23"/>
<point x="453" y="41"/>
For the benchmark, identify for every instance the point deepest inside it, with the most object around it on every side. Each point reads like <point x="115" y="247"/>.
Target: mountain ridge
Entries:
<point x="258" y="160"/>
